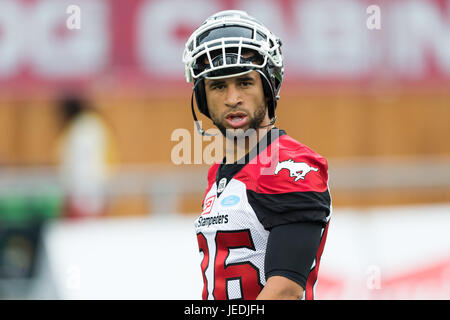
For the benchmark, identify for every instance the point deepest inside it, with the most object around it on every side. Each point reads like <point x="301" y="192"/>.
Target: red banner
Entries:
<point x="47" y="43"/>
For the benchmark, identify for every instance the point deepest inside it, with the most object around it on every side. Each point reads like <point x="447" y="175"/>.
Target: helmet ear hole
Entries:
<point x="200" y="97"/>
<point x="269" y="94"/>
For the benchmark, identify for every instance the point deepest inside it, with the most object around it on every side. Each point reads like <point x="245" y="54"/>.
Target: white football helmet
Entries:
<point x="231" y="43"/>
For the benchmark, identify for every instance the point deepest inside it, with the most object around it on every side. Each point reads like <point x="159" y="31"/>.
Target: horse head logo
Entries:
<point x="296" y="169"/>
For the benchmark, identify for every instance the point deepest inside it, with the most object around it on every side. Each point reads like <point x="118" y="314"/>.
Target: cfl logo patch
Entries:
<point x="208" y="204"/>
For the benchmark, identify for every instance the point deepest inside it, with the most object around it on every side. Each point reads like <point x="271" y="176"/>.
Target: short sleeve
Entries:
<point x="296" y="190"/>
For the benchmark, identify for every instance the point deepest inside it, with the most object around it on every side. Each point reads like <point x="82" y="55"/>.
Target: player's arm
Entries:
<point x="291" y="250"/>
<point x="281" y="288"/>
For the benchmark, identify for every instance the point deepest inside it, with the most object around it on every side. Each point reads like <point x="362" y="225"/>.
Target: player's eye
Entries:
<point x="245" y="83"/>
<point x="217" y="86"/>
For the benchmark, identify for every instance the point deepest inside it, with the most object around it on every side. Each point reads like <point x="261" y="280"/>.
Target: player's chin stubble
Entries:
<point x="255" y="123"/>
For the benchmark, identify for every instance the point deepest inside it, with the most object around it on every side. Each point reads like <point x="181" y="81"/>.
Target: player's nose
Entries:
<point x="233" y="96"/>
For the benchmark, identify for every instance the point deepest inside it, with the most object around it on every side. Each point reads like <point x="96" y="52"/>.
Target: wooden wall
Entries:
<point x="337" y="125"/>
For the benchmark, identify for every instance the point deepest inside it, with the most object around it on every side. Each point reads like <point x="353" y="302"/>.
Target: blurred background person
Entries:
<point x="87" y="154"/>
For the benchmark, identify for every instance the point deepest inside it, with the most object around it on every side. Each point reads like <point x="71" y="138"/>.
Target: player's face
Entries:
<point x="237" y="102"/>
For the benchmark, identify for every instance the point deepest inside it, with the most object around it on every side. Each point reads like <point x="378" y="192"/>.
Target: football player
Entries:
<point x="265" y="215"/>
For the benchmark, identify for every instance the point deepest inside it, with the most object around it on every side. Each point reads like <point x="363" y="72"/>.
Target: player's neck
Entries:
<point x="236" y="149"/>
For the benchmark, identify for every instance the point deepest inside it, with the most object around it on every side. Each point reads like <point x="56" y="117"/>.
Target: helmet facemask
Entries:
<point x="228" y="63"/>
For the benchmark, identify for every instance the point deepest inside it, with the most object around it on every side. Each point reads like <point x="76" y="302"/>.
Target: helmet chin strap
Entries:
<point x="203" y="132"/>
<point x="271" y="123"/>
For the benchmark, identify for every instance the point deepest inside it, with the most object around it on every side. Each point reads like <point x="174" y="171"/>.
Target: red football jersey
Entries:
<point x="280" y="181"/>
